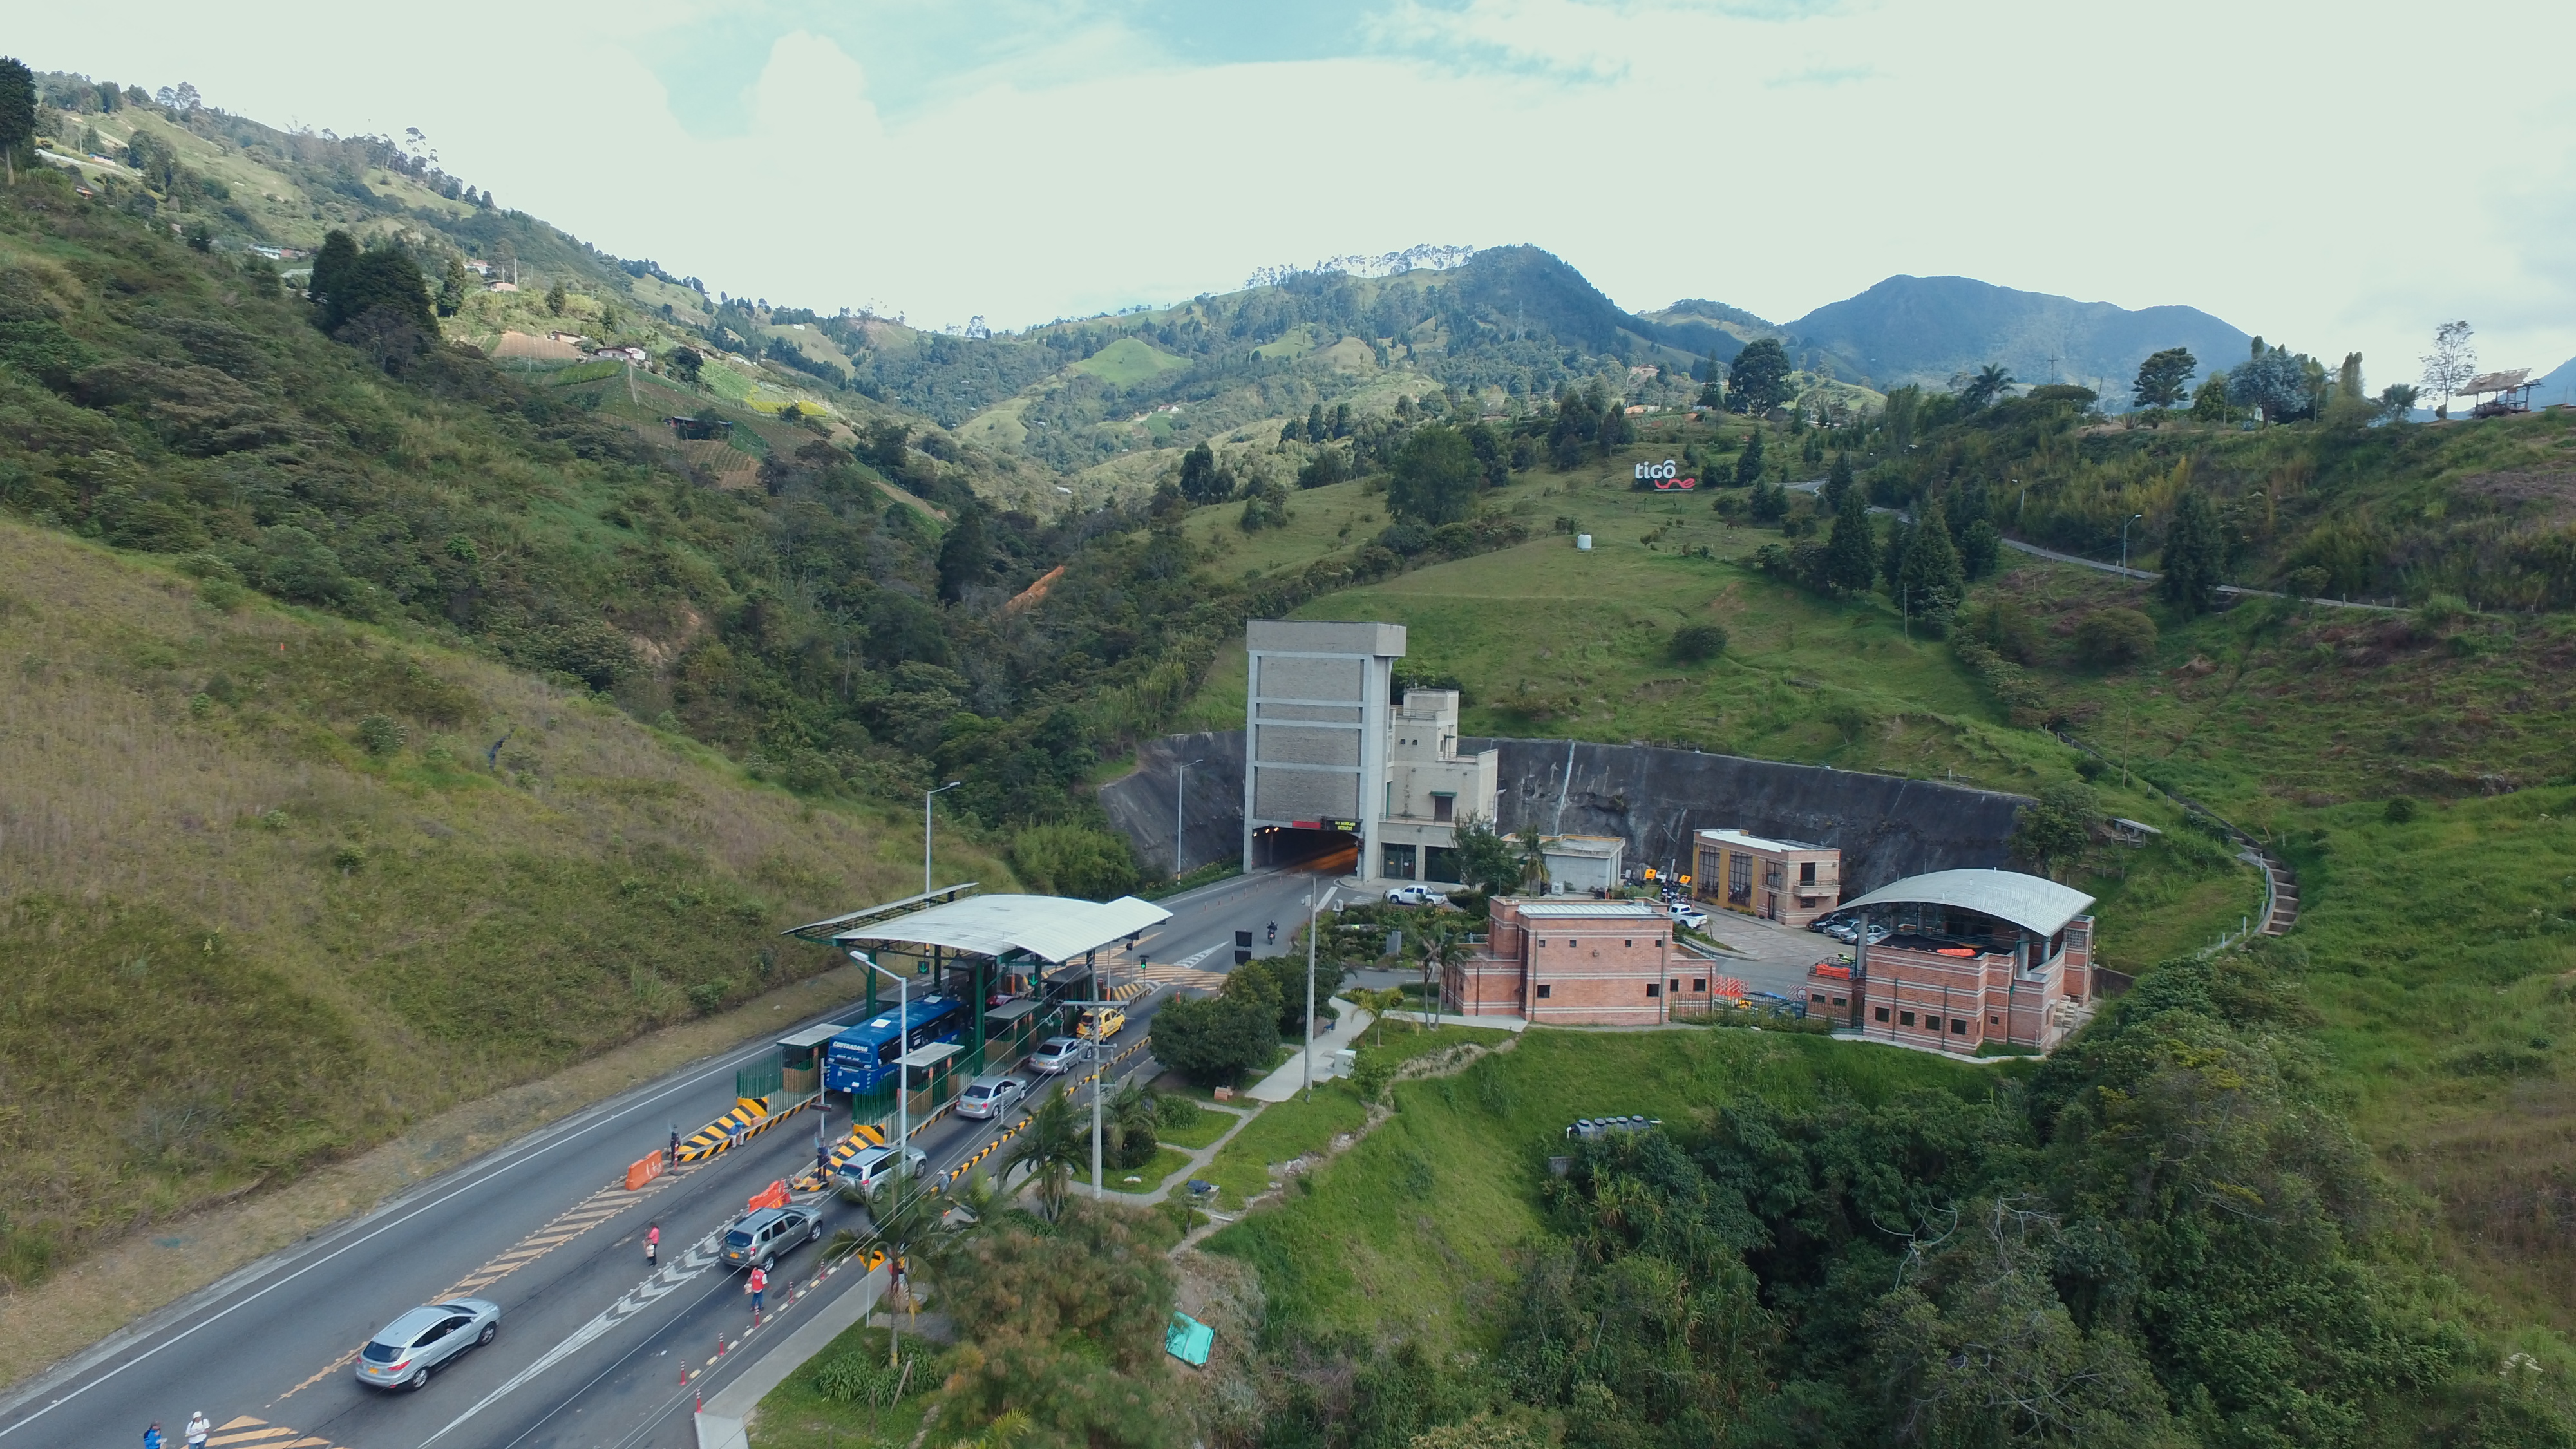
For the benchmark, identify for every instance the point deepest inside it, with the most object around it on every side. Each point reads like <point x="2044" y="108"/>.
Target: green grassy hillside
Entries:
<point x="277" y="886"/>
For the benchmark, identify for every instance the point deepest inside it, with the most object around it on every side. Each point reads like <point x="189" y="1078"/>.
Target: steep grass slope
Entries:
<point x="273" y="886"/>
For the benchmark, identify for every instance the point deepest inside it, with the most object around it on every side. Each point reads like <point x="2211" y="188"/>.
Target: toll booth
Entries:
<point x="1013" y="1029"/>
<point x="930" y="1076"/>
<point x="800" y="1058"/>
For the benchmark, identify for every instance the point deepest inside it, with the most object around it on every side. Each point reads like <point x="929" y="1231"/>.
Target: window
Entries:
<point x="1838" y="1001"/>
<point x="1773" y="875"/>
<point x="1806" y="872"/>
<point x="1931" y="1022"/>
<point x="1739" y="879"/>
<point x="1542" y="991"/>
<point x="1994" y="1021"/>
<point x="1443" y="806"/>
<point x="1652" y="989"/>
<point x="1819" y="998"/>
<point x="1677" y="983"/>
<point x="1905" y="1018"/>
<point x="1882" y="1013"/>
<point x="1542" y="945"/>
<point x="1958" y="1026"/>
<point x="1699" y="983"/>
<point x="1630" y="944"/>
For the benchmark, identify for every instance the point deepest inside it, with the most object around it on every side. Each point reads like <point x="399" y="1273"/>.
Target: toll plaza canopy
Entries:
<point x="2034" y="903"/>
<point x="1053" y="928"/>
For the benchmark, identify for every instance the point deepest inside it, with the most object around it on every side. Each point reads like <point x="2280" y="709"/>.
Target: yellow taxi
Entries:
<point x="1102" y="1024"/>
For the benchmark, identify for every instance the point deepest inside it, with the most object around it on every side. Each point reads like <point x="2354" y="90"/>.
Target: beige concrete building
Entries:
<point x="1789" y="881"/>
<point x="1430" y="788"/>
<point x="1331" y="756"/>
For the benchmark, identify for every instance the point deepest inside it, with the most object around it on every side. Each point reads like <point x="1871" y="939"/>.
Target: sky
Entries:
<point x="2337" y="177"/>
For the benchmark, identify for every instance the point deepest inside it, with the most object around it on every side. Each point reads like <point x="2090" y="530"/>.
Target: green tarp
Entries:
<point x="1189" y="1340"/>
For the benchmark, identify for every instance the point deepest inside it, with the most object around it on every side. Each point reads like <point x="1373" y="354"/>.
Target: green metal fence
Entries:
<point x="762" y="1078"/>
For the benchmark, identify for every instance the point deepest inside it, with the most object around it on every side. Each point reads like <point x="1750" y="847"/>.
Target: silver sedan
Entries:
<point x="405" y="1352"/>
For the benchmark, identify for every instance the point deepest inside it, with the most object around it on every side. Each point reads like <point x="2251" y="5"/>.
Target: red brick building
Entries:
<point x="1971" y="956"/>
<point x="1789" y="881"/>
<point x="1560" y="962"/>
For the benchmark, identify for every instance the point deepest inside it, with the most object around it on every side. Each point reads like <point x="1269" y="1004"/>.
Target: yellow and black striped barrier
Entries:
<point x="747" y="1120"/>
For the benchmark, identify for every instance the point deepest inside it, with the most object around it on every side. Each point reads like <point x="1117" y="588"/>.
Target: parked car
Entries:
<point x="759" y="1239"/>
<point x="1102" y="1022"/>
<point x="989" y="1096"/>
<point x="873" y="1165"/>
<point x="1055" y="1054"/>
<point x="405" y="1352"/>
<point x="1414" y="895"/>
<point x="1686" y="914"/>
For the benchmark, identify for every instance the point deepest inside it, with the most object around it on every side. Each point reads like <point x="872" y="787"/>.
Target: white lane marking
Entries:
<point x="700" y="1257"/>
<point x="545" y="1140"/>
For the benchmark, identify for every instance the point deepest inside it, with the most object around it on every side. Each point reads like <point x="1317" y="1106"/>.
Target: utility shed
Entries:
<point x="1581" y="865"/>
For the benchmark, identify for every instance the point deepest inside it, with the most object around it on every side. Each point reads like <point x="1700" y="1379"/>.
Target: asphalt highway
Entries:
<point x="595" y="1347"/>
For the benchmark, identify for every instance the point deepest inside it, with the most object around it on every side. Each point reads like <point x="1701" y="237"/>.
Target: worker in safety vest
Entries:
<point x="757" y="1285"/>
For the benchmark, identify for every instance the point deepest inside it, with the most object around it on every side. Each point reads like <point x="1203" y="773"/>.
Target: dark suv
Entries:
<point x="759" y="1239"/>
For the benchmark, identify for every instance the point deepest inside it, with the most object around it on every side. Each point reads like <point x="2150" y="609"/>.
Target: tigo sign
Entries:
<point x="1664" y="475"/>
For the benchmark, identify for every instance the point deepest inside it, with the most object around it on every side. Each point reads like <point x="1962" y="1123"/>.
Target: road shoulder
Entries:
<point x="162" y="1264"/>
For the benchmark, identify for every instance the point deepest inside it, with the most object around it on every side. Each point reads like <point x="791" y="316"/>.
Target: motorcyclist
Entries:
<point x="1274" y="932"/>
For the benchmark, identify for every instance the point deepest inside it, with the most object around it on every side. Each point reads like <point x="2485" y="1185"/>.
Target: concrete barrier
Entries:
<point x="644" y="1170"/>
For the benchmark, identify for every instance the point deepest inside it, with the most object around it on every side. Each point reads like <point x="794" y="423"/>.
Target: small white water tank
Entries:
<point x="1583" y="542"/>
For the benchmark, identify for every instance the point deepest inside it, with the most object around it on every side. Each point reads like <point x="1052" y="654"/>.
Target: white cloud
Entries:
<point x="2301" y="170"/>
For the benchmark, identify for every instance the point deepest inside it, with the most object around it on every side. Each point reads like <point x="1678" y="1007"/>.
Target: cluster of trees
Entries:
<point x="1217" y="1040"/>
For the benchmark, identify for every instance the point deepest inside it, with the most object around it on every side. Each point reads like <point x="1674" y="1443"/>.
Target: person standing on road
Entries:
<point x="674" y="1159"/>
<point x="152" y="1436"/>
<point x="653" y="1244"/>
<point x="198" y="1428"/>
<point x="759" y="1285"/>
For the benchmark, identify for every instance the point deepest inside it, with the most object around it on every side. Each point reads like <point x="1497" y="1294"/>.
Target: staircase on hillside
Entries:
<point x="2285" y="895"/>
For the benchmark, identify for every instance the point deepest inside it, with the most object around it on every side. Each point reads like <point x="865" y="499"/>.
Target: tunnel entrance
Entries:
<point x="1307" y="847"/>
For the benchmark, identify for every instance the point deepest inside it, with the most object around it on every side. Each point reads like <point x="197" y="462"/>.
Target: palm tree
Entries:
<point x="1442" y="947"/>
<point x="1052" y="1148"/>
<point x="1988" y="385"/>
<point x="1378" y="1001"/>
<point x="1002" y="1433"/>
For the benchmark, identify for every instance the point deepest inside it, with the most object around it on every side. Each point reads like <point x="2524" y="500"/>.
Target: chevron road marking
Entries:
<point x="249" y="1433"/>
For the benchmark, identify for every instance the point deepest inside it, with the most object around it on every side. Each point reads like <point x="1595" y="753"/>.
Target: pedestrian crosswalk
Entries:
<point x="249" y="1433"/>
<point x="1176" y="974"/>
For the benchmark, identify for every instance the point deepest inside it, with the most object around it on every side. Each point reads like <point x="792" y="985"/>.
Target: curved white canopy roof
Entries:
<point x="1054" y="927"/>
<point x="2034" y="903"/>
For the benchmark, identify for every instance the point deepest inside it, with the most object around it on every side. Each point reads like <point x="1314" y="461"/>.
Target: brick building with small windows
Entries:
<point x="1561" y="962"/>
<point x="1789" y="881"/>
<point x="1968" y="957"/>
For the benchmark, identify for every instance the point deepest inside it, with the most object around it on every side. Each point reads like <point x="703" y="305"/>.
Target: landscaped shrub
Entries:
<point x="2114" y="636"/>
<point x="1695" y="643"/>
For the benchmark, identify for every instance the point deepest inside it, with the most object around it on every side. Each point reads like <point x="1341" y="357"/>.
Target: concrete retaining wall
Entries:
<point x="1886" y="827"/>
<point x="1140" y="803"/>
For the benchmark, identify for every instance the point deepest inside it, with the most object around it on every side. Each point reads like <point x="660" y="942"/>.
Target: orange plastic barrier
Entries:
<point x="774" y="1195"/>
<point x="643" y="1171"/>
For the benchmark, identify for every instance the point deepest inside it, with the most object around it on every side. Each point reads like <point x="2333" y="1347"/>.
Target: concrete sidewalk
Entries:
<point x="720" y="1422"/>
<point x="1285" y="1083"/>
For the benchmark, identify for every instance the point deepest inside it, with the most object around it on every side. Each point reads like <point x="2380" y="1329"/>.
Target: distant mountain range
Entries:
<point x="1928" y="329"/>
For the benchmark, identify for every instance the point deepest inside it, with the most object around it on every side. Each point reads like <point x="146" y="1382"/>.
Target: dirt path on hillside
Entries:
<point x="168" y="1260"/>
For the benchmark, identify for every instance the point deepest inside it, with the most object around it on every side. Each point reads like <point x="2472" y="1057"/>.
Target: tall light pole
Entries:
<point x="1179" y="862"/>
<point x="925" y="830"/>
<point x="902" y="1049"/>
<point x="2124" y="539"/>
<point x="1313" y="907"/>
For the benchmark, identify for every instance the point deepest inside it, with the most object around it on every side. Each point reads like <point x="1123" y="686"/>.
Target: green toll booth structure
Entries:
<point x="1015" y="960"/>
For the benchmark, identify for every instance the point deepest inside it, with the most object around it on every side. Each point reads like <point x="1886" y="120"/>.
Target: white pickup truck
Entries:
<point x="1686" y="914"/>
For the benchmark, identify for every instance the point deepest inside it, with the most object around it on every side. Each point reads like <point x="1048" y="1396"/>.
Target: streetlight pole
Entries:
<point x="902" y="1049"/>
<point x="1179" y="862"/>
<point x="2124" y="539"/>
<point x="1313" y="907"/>
<point x="925" y="830"/>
